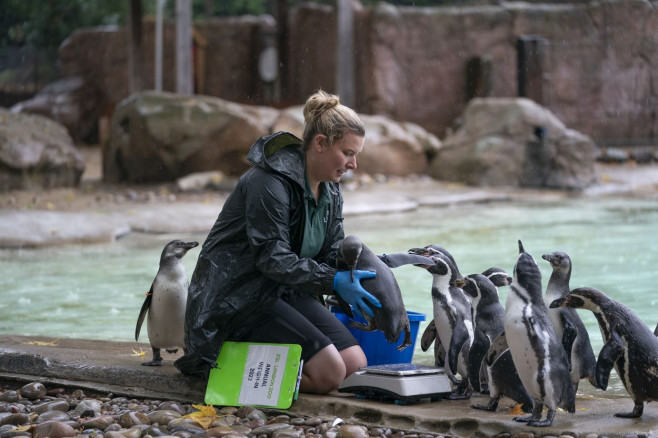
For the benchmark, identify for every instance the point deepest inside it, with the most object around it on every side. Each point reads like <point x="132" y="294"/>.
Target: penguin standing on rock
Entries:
<point x="629" y="346"/>
<point x="568" y="325"/>
<point x="165" y="303"/>
<point x="536" y="350"/>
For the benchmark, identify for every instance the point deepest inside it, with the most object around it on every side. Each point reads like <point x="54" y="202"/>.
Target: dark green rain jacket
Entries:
<point x="252" y="252"/>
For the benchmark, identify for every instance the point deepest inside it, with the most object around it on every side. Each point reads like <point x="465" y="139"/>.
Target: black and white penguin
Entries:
<point x="429" y="337"/>
<point x="488" y="315"/>
<point x="536" y="350"/>
<point x="629" y="346"/>
<point x="503" y="378"/>
<point x="165" y="303"/>
<point x="567" y="323"/>
<point x="452" y="317"/>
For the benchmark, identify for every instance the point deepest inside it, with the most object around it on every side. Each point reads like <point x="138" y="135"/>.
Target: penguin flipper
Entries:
<point x="655" y="331"/>
<point x="568" y="336"/>
<point x="609" y="354"/>
<point x="142" y="313"/>
<point x="429" y="335"/>
<point x="401" y="259"/>
<point x="346" y="308"/>
<point x="496" y="349"/>
<point x="459" y="337"/>
<point x="476" y="356"/>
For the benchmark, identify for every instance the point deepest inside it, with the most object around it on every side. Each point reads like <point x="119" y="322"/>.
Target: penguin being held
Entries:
<point x="568" y="325"/>
<point x="391" y="318"/>
<point x="165" y="303"/>
<point x="629" y="347"/>
<point x="452" y="317"/>
<point x="537" y="352"/>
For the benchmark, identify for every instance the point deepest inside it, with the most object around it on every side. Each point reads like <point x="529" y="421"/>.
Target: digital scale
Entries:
<point x="401" y="383"/>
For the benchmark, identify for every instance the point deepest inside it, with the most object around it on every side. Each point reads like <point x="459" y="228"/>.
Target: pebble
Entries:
<point x="37" y="412"/>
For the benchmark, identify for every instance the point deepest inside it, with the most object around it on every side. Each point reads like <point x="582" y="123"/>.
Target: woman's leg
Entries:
<point x="323" y="372"/>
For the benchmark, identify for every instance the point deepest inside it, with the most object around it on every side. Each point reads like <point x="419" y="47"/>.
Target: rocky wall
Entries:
<point x="598" y="66"/>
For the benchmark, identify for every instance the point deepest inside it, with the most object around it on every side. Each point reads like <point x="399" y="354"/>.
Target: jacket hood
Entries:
<point x="280" y="152"/>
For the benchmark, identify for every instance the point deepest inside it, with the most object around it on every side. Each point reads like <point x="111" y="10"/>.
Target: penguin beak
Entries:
<point x="189" y="245"/>
<point x="560" y="302"/>
<point x="352" y="273"/>
<point x="548" y="258"/>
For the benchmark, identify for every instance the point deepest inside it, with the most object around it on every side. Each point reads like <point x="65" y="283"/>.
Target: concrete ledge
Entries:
<point x="114" y="367"/>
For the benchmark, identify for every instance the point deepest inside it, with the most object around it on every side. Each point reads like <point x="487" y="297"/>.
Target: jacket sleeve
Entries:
<point x="268" y="205"/>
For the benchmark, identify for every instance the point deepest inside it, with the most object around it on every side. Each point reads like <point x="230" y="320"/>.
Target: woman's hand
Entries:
<point x="347" y="284"/>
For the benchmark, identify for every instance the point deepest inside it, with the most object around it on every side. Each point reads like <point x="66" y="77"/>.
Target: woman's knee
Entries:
<point x="324" y="371"/>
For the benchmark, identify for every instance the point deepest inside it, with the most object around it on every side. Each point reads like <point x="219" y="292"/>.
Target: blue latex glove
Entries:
<point x="347" y="284"/>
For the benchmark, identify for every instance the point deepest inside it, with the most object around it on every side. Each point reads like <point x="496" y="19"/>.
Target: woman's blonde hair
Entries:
<point x="324" y="114"/>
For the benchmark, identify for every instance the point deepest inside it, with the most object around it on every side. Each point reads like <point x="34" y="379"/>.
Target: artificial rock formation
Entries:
<point x="515" y="142"/>
<point x="36" y="152"/>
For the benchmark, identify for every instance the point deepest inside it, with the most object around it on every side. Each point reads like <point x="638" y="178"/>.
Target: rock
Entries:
<point x="515" y="142"/>
<point x="352" y="431"/>
<point x="36" y="152"/>
<point x="53" y="405"/>
<point x="10" y="396"/>
<point x="130" y="419"/>
<point x="158" y="136"/>
<point x="53" y="429"/>
<point x="164" y="416"/>
<point x="33" y="391"/>
<point x="53" y="416"/>
<point x="87" y="408"/>
<point x="69" y="101"/>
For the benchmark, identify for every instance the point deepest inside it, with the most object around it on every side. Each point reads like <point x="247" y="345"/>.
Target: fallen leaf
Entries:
<point x="516" y="410"/>
<point x="204" y="416"/>
<point x="43" y="343"/>
<point x="139" y="353"/>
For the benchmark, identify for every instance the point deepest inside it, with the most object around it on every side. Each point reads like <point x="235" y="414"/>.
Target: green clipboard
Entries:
<point x="255" y="374"/>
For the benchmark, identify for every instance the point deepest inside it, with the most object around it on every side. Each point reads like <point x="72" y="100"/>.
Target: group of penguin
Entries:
<point x="536" y="349"/>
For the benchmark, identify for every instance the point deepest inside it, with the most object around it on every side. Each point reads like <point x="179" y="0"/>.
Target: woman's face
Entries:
<point x="331" y="162"/>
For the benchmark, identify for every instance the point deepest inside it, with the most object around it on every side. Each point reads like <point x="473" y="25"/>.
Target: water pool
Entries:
<point x="95" y="291"/>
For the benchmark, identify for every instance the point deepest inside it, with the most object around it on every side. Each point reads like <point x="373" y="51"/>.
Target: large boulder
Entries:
<point x="160" y="136"/>
<point x="515" y="142"/>
<point x="390" y="148"/>
<point x="69" y="101"/>
<point x="36" y="152"/>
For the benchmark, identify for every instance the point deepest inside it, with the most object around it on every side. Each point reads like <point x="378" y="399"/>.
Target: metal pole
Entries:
<point x="158" y="45"/>
<point x="345" y="55"/>
<point x="184" y="84"/>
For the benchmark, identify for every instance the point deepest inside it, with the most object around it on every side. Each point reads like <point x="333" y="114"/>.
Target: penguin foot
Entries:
<point x="485" y="407"/>
<point x="637" y="412"/>
<point x="153" y="363"/>
<point x="174" y="351"/>
<point x="524" y="419"/>
<point x="540" y="423"/>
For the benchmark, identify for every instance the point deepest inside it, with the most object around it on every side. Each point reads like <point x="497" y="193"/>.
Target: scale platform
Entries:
<point x="401" y="383"/>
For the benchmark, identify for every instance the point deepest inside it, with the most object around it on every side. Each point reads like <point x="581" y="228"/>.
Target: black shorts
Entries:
<point x="303" y="320"/>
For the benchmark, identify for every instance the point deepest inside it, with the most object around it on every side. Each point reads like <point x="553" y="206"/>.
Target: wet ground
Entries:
<point x="114" y="367"/>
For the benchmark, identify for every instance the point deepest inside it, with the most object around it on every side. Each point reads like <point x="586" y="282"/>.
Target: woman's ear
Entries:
<point x="320" y="142"/>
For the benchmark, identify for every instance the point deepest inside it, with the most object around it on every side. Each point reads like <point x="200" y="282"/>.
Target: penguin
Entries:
<point x="391" y="318"/>
<point x="165" y="303"/>
<point x="629" y="346"/>
<point x="503" y="378"/>
<point x="452" y="317"/>
<point x="568" y="325"/>
<point x="655" y="331"/>
<point x="499" y="278"/>
<point x="488" y="315"/>
<point x="536" y="350"/>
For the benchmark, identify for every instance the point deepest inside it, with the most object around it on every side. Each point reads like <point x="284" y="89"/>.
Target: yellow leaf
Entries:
<point x="43" y="343"/>
<point x="139" y="353"/>
<point x="204" y="416"/>
<point x="516" y="410"/>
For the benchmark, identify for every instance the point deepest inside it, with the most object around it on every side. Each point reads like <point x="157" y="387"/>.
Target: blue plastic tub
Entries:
<point x="374" y="344"/>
